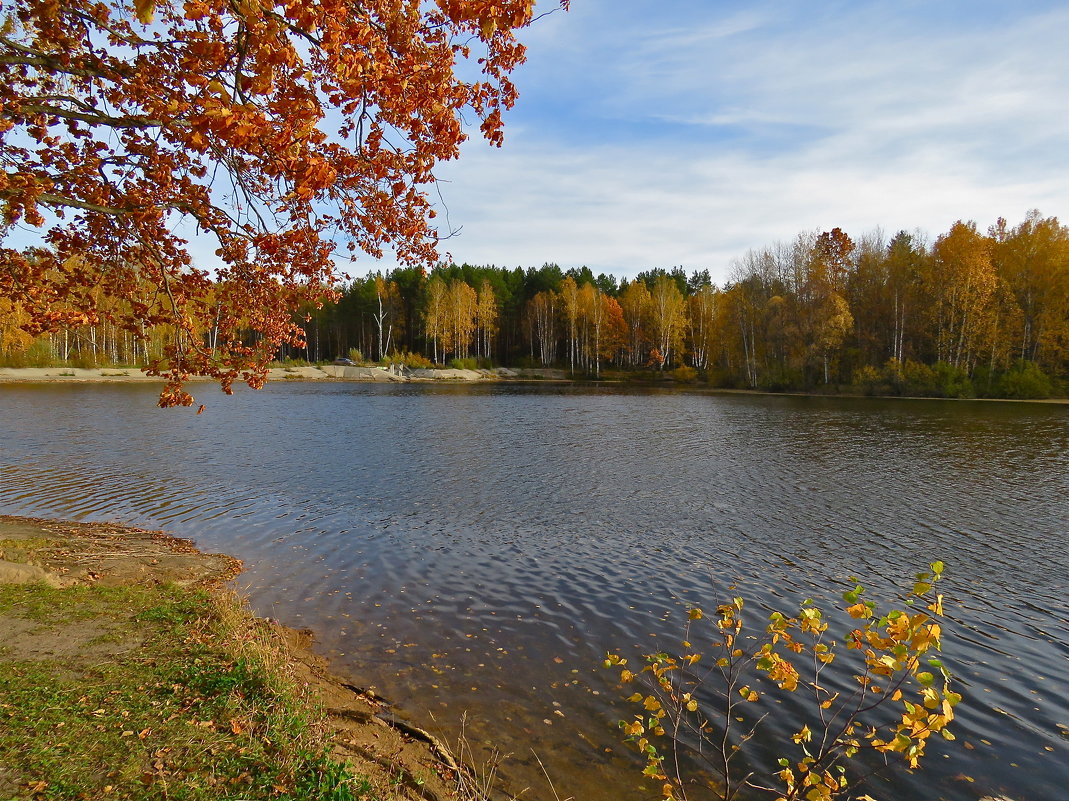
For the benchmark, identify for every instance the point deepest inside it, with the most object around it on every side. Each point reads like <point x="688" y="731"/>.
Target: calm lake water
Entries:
<point x="478" y="549"/>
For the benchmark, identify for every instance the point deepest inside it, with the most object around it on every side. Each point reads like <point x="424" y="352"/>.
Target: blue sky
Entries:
<point x="685" y="132"/>
<point x="680" y="132"/>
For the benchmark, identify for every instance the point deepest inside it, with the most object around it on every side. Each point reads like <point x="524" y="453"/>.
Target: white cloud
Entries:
<point x="622" y="210"/>
<point x="864" y="71"/>
<point x="670" y="140"/>
<point x="687" y="131"/>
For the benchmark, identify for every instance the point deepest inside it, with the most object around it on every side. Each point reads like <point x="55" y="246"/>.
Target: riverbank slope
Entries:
<point x="127" y="668"/>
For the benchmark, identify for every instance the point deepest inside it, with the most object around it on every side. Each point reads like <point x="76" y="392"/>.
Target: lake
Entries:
<point x="475" y="550"/>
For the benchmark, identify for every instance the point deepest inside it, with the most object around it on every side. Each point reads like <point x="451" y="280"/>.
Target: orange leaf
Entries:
<point x="145" y="9"/>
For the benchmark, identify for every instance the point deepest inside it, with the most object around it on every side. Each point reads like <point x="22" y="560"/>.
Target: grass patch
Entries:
<point x="28" y="544"/>
<point x="201" y="710"/>
<point x="24" y="550"/>
<point x="45" y="604"/>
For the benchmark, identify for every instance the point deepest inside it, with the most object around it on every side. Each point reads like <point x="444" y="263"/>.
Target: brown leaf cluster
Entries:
<point x="279" y="132"/>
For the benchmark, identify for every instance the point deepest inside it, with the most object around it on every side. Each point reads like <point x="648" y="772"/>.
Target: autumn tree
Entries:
<point x="961" y="284"/>
<point x="753" y="295"/>
<point x="435" y="315"/>
<point x="612" y="333"/>
<point x="702" y="311"/>
<point x="740" y="347"/>
<point x="906" y="260"/>
<point x="461" y="307"/>
<point x="667" y="317"/>
<point x="592" y="316"/>
<point x="486" y="316"/>
<point x="569" y="298"/>
<point x="595" y="338"/>
<point x="821" y="266"/>
<point x="1033" y="259"/>
<point x="386" y="314"/>
<point x="833" y="250"/>
<point x="280" y="133"/>
<point x="542" y="312"/>
<point x="635" y="303"/>
<point x="13" y="337"/>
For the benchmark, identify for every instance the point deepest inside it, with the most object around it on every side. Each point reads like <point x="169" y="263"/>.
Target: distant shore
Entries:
<point x="400" y="374"/>
<point x="329" y="372"/>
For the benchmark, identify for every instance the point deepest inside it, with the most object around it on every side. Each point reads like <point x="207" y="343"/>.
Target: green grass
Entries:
<point x="49" y="605"/>
<point x="29" y="544"/>
<point x="195" y="706"/>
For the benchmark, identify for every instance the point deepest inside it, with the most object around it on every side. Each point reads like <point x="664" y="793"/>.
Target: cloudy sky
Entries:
<point x="684" y="132"/>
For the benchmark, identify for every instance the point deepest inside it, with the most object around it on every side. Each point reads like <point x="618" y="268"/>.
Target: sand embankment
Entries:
<point x="400" y="373"/>
<point x="74" y="375"/>
<point x="330" y="372"/>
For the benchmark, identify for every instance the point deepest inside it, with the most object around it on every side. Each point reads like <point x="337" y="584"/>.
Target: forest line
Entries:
<point x="972" y="313"/>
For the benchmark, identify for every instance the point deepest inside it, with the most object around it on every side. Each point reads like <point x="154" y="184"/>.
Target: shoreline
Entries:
<point x="361" y="729"/>
<point x="329" y="372"/>
<point x="396" y="374"/>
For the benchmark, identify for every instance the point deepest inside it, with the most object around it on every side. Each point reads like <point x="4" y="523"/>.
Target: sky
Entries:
<point x="685" y="132"/>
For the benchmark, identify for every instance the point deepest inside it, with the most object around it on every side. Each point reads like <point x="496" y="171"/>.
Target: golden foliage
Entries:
<point x="897" y="707"/>
<point x="282" y="132"/>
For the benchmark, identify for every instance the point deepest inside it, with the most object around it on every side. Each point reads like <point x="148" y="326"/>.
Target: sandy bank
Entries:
<point x="330" y="372"/>
<point x="75" y="374"/>
<point x="362" y="728"/>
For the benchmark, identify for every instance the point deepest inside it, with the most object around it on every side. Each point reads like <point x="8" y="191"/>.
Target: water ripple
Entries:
<point x="480" y="548"/>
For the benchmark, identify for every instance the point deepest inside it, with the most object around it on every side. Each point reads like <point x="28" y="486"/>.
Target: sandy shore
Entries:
<point x="328" y="372"/>
<point x="74" y="374"/>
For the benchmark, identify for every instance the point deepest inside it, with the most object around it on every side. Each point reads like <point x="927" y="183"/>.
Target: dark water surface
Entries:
<point x="478" y="549"/>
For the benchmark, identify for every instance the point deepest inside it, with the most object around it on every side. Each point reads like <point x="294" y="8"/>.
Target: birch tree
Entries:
<point x="461" y="310"/>
<point x="1033" y="258"/>
<point x="667" y="317"/>
<point x="486" y="318"/>
<point x="702" y="318"/>
<point x="961" y="285"/>
<point x="389" y="302"/>
<point x="635" y="303"/>
<point x="435" y="316"/>
<point x="542" y="312"/>
<point x="569" y="299"/>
